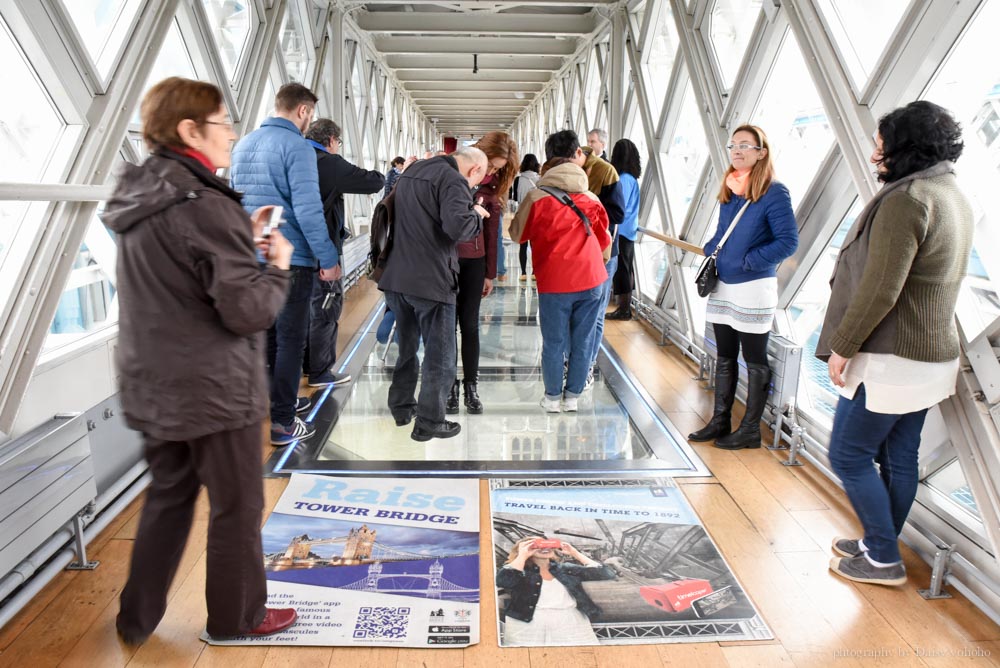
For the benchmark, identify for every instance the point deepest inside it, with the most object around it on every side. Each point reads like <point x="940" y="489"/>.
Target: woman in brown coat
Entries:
<point x="194" y="304"/>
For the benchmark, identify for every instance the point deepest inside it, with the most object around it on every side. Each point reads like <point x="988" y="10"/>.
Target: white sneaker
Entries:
<point x="569" y="404"/>
<point x="551" y="405"/>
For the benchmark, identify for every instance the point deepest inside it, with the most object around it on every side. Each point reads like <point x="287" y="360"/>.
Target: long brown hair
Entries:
<point x="761" y="174"/>
<point x="496" y="144"/>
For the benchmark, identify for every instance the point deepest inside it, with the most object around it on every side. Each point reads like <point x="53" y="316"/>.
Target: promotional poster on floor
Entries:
<point x="616" y="562"/>
<point x="374" y="562"/>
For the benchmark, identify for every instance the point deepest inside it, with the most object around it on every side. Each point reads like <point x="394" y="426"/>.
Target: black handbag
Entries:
<point x="708" y="275"/>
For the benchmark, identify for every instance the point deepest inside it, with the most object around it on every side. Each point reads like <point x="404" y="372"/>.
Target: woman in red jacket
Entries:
<point x="477" y="262"/>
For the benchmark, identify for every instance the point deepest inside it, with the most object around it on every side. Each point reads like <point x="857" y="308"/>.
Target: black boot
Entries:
<point x="748" y="433"/>
<point x="451" y="408"/>
<point x="624" y="310"/>
<point x="472" y="403"/>
<point x="727" y="375"/>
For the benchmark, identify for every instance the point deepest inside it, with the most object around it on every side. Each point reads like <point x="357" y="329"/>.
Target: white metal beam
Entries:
<point x="437" y="23"/>
<point x="532" y="46"/>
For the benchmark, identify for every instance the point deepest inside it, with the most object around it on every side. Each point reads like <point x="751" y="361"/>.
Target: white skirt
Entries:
<point x="746" y="307"/>
<point x="550" y="627"/>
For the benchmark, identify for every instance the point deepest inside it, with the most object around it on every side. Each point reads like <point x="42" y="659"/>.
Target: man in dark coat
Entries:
<point x="434" y="211"/>
<point x="337" y="177"/>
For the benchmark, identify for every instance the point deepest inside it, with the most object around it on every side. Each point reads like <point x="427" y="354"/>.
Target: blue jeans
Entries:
<point x="567" y="323"/>
<point x="435" y="322"/>
<point x="882" y="498"/>
<point x="286" y="343"/>
<point x="612" y="267"/>
<point x="501" y="256"/>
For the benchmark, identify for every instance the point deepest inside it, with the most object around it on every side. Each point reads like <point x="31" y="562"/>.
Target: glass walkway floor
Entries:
<point x="618" y="429"/>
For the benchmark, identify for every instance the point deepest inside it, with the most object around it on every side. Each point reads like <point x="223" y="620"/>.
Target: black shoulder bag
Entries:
<point x="564" y="197"/>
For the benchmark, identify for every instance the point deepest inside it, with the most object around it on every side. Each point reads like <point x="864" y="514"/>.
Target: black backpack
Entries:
<point x="383" y="219"/>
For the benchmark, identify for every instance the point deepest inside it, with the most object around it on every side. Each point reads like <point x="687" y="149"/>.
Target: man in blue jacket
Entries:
<point x="275" y="165"/>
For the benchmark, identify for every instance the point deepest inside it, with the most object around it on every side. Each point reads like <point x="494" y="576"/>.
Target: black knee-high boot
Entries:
<point x="727" y="375"/>
<point x="748" y="433"/>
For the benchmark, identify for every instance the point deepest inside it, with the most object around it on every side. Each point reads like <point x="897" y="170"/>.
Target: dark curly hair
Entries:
<point x="625" y="158"/>
<point x="915" y="137"/>
<point x="529" y="163"/>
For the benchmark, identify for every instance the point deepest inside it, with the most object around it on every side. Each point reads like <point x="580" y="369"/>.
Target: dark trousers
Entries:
<point x="522" y="255"/>
<point x="286" y="342"/>
<point x="435" y="323"/>
<point x="471" y="274"/>
<point x="321" y="351"/>
<point x="228" y="465"/>
<point x="624" y="278"/>
<point x="881" y="498"/>
<point x="729" y="341"/>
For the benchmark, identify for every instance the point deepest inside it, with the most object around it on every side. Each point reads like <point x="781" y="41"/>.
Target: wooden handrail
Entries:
<point x="679" y="243"/>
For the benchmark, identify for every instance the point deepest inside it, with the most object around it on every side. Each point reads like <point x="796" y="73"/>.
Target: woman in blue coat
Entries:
<point x="741" y="308"/>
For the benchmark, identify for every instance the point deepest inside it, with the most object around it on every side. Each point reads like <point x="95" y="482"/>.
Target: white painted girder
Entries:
<point x="433" y="23"/>
<point x="533" y="46"/>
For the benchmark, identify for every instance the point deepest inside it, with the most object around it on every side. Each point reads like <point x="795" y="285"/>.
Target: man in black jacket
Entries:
<point x="337" y="177"/>
<point x="434" y="211"/>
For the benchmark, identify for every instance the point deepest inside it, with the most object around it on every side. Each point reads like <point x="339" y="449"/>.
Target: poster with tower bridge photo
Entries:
<point x="374" y="562"/>
<point x="610" y="562"/>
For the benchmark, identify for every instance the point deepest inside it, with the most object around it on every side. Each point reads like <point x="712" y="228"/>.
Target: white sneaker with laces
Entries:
<point x="550" y="405"/>
<point x="590" y="381"/>
<point x="569" y="404"/>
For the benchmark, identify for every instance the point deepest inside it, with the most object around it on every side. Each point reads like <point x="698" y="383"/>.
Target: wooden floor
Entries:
<point x="772" y="523"/>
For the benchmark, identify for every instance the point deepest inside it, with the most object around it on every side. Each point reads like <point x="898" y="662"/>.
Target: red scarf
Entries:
<point x="197" y="155"/>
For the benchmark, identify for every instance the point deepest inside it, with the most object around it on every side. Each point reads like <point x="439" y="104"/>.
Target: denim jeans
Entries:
<point x="501" y="256"/>
<point x="882" y="498"/>
<point x="567" y="323"/>
<point x="435" y="323"/>
<point x="323" y="326"/>
<point x="286" y="342"/>
<point x="612" y="267"/>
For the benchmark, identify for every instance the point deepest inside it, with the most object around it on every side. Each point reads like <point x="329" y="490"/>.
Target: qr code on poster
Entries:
<point x="381" y="622"/>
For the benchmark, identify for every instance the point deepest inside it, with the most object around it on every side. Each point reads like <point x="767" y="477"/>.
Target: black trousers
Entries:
<point x="729" y="342"/>
<point x="321" y="350"/>
<point x="471" y="274"/>
<point x="624" y="278"/>
<point x="522" y="255"/>
<point x="228" y="464"/>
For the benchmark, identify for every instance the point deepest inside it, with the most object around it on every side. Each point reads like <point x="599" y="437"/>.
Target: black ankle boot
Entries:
<point x="748" y="433"/>
<point x="726" y="378"/>
<point x="472" y="403"/>
<point x="451" y="408"/>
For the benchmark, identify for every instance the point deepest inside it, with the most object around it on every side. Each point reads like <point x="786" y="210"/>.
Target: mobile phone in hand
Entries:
<point x="273" y="222"/>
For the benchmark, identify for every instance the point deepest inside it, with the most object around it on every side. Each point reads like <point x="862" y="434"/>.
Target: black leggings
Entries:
<point x="471" y="274"/>
<point x="729" y="341"/>
<point x="522" y="255"/>
<point x="624" y="278"/>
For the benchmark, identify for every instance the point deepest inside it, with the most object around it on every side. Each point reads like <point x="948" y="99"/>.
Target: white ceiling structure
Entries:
<point x="476" y="66"/>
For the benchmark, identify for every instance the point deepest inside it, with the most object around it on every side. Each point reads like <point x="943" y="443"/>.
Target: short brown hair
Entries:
<point x="291" y="95"/>
<point x="171" y="101"/>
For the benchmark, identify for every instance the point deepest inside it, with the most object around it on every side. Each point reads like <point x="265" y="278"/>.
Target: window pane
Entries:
<point x="659" y="67"/>
<point x="861" y="29"/>
<point x="230" y="23"/>
<point x="293" y="46"/>
<point x="969" y="86"/>
<point x="791" y="113"/>
<point x="103" y="26"/>
<point x="593" y="96"/>
<point x="807" y="312"/>
<point x="358" y="88"/>
<point x="730" y="26"/>
<point x="950" y="481"/>
<point x="686" y="156"/>
<point x="172" y="61"/>
<point x="651" y="256"/>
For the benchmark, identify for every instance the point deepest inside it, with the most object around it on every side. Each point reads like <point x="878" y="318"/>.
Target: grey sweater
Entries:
<point x="899" y="272"/>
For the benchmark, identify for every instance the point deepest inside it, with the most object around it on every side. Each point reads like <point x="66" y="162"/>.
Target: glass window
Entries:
<point x="294" y="47"/>
<point x="861" y="29"/>
<point x="230" y="23"/>
<point x="266" y="103"/>
<point x="660" y="65"/>
<point x="791" y="113"/>
<point x="651" y="256"/>
<point x="686" y="156"/>
<point x="593" y="95"/>
<point x="172" y="61"/>
<point x="950" y="481"/>
<point x="807" y="311"/>
<point x="731" y="25"/>
<point x="88" y="302"/>
<point x="103" y="26"/>
<point x="969" y="86"/>
<point x="357" y="87"/>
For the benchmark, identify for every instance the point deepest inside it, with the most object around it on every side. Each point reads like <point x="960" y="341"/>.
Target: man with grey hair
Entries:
<point x="597" y="139"/>
<point x="337" y="177"/>
<point x="433" y="212"/>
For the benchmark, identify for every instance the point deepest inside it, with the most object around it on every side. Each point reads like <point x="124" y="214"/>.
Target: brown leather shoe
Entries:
<point x="276" y="620"/>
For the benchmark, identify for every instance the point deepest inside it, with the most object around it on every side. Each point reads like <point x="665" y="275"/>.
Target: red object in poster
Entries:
<point x="675" y="596"/>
